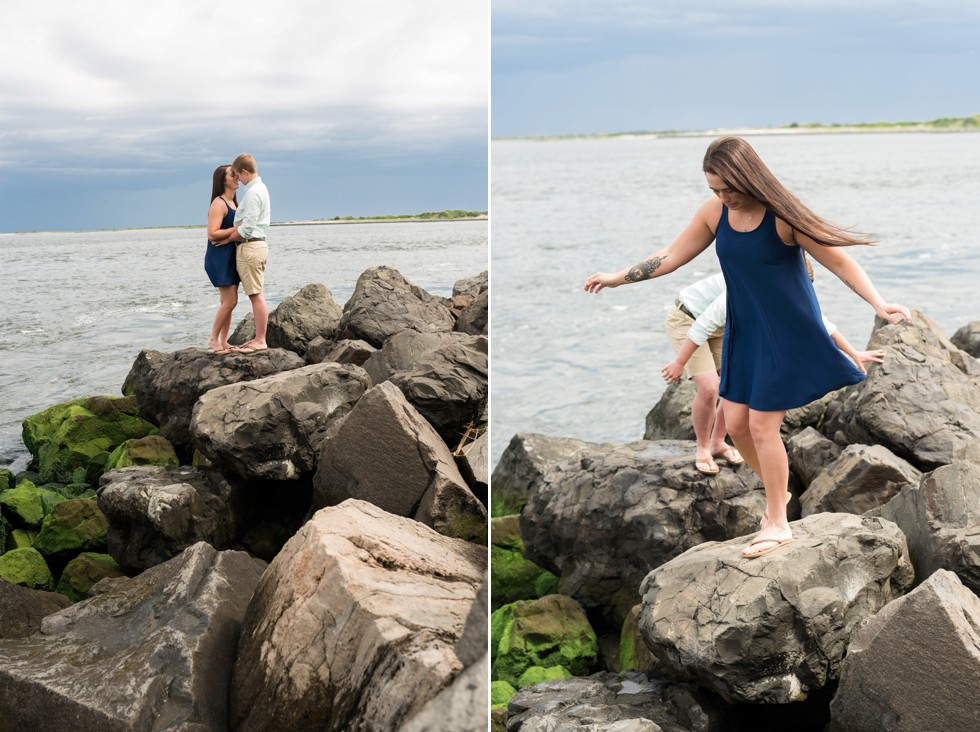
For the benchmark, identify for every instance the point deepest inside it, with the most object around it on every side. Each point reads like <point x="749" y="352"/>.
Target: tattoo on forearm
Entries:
<point x="849" y="284"/>
<point x="645" y="269"/>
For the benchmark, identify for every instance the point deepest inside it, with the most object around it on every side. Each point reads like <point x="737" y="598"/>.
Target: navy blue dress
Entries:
<point x="219" y="262"/>
<point x="777" y="353"/>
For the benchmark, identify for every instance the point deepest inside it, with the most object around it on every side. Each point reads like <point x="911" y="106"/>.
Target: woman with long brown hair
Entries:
<point x="777" y="354"/>
<point x="219" y="259"/>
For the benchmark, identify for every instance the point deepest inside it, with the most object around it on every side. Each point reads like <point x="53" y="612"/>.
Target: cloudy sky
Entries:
<point x="585" y="66"/>
<point x="115" y="113"/>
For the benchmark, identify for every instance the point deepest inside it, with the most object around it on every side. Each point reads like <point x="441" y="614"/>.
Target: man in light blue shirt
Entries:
<point x="252" y="221"/>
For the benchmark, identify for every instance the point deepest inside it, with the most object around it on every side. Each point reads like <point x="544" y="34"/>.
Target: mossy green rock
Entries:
<point x="512" y="577"/>
<point x="7" y="479"/>
<point x="74" y="525"/>
<point x="550" y="631"/>
<point x="633" y="653"/>
<point x="23" y="505"/>
<point x="7" y="540"/>
<point x="26" y="567"/>
<point x="538" y="675"/>
<point x="500" y="694"/>
<point x="84" y="571"/>
<point x="71" y="442"/>
<point x="150" y="450"/>
<point x="21" y="538"/>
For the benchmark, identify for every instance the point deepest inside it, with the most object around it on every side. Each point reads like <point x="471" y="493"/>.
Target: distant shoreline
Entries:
<point x="310" y="222"/>
<point x="957" y="124"/>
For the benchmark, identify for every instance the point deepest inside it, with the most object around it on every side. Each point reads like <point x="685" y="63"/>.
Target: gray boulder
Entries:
<point x="941" y="520"/>
<point x="318" y="349"/>
<point x="156" y="513"/>
<point x="809" y="454"/>
<point x="272" y="428"/>
<point x="22" y="609"/>
<point x="348" y="351"/>
<point x="152" y="652"/>
<point x="474" y="318"/>
<point x="384" y="452"/>
<point x="922" y="403"/>
<point x="670" y="418"/>
<point x="298" y="319"/>
<point x="523" y="465"/>
<point x="354" y="624"/>
<point x="775" y="628"/>
<point x="967" y="338"/>
<point x="915" y="665"/>
<point x="605" y="702"/>
<point x="385" y="303"/>
<point x="444" y="376"/>
<point x="863" y="477"/>
<point x="474" y="465"/>
<point x="167" y="385"/>
<point x="462" y="706"/>
<point x="809" y="415"/>
<point x="472" y="286"/>
<point x="605" y="517"/>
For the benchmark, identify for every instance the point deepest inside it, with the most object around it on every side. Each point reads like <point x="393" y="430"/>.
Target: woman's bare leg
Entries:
<point x="756" y="435"/>
<point x="222" y="318"/>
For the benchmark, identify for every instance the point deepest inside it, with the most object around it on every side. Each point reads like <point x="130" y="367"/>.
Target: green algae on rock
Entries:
<point x="23" y="504"/>
<point x="149" y="450"/>
<point x="512" y="577"/>
<point x="84" y="571"/>
<point x="500" y="693"/>
<point x="26" y="567"/>
<point x="550" y="631"/>
<point x="539" y="674"/>
<point x="70" y="442"/>
<point x="75" y="525"/>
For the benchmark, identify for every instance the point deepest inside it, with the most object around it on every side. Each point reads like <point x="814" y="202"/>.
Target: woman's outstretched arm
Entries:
<point x="696" y="237"/>
<point x="853" y="275"/>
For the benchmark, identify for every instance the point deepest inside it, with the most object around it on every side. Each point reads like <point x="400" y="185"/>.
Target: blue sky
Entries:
<point x="114" y="114"/>
<point x="588" y="66"/>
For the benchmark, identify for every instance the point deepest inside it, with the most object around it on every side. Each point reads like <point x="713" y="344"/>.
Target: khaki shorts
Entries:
<point x="707" y="359"/>
<point x="250" y="260"/>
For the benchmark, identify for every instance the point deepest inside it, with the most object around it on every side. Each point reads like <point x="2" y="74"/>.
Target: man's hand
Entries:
<point x="672" y="372"/>
<point x="601" y="280"/>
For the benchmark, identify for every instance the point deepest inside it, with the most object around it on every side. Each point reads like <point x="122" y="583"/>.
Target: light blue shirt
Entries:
<point x="254" y="213"/>
<point x="707" y="302"/>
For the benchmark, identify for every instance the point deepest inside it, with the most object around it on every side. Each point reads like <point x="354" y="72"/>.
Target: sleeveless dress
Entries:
<point x="777" y="353"/>
<point x="219" y="262"/>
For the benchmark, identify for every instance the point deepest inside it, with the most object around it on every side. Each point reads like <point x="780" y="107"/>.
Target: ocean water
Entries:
<point x="568" y="363"/>
<point x="76" y="308"/>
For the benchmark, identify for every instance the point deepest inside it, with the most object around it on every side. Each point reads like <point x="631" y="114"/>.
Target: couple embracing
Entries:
<point x="237" y="250"/>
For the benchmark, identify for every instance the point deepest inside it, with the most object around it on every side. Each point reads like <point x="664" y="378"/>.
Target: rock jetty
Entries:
<point x="867" y="621"/>
<point x="290" y="539"/>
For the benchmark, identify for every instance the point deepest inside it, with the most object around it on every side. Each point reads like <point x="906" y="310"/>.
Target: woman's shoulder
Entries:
<point x="710" y="212"/>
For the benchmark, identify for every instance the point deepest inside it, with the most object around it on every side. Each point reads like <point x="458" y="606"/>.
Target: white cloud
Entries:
<point x="124" y="77"/>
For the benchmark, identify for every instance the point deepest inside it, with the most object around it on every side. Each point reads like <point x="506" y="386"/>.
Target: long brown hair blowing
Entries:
<point x="218" y="184"/>
<point x="734" y="161"/>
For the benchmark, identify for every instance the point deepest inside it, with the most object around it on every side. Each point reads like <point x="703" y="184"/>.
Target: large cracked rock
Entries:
<point x="862" y="478"/>
<point x="167" y="385"/>
<point x="354" y="624"/>
<point x="300" y="318"/>
<point x="444" y="375"/>
<point x="809" y="453"/>
<point x="775" y="628"/>
<point x="384" y="452"/>
<point x="915" y="665"/>
<point x="152" y="652"/>
<point x="922" y="403"/>
<point x="462" y="706"/>
<point x="272" y="428"/>
<point x="604" y="701"/>
<point x="941" y="519"/>
<point x="156" y="513"/>
<point x="606" y="516"/>
<point x="523" y="465"/>
<point x="385" y="303"/>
